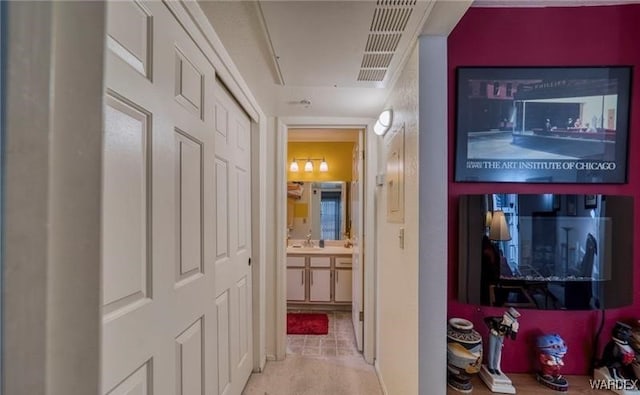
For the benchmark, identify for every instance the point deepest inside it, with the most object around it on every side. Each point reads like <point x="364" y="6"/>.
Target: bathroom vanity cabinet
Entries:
<point x="319" y="277"/>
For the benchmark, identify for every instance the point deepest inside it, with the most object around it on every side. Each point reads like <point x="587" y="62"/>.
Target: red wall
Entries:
<point x="579" y="36"/>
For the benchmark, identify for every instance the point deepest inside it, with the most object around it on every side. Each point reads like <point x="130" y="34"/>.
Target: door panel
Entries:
<point x="319" y="285"/>
<point x="136" y="384"/>
<point x="189" y="188"/>
<point x="129" y="34"/>
<point x="126" y="239"/>
<point x="190" y="361"/>
<point x="222" y="209"/>
<point x="343" y="292"/>
<point x="176" y="242"/>
<point x="232" y="270"/>
<point x="223" y="343"/>
<point x="189" y="84"/>
<point x="295" y="284"/>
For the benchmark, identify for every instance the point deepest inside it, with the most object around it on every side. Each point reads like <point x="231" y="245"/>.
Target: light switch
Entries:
<point x="401" y="238"/>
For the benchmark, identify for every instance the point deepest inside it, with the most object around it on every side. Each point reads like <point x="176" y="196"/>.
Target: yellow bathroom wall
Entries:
<point x="300" y="210"/>
<point x="337" y="154"/>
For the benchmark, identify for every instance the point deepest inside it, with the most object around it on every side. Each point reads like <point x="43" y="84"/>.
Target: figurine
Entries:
<point x="618" y="355"/>
<point x="499" y="327"/>
<point x="635" y="345"/>
<point x="616" y="361"/>
<point x="551" y="350"/>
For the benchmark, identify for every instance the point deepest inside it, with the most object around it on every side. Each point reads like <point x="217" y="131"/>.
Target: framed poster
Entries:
<point x="542" y="124"/>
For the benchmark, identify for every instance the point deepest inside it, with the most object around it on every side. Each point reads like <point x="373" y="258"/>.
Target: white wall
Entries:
<point x="397" y="273"/>
<point x="52" y="316"/>
<point x="433" y="201"/>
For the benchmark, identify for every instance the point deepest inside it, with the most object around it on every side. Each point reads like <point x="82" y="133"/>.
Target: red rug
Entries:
<point x="307" y="324"/>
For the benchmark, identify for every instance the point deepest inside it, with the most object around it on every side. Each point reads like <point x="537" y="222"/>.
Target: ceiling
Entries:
<point x="324" y="58"/>
<point x="323" y="135"/>
<point x="549" y="3"/>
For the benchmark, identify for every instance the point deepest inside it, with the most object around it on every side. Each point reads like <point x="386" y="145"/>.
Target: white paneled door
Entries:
<point x="233" y="243"/>
<point x="176" y="228"/>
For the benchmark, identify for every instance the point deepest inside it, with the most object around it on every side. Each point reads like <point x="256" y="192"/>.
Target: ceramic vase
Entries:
<point x="464" y="354"/>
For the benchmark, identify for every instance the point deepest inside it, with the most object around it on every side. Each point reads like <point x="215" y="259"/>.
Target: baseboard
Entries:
<point x="382" y="386"/>
<point x="271" y="357"/>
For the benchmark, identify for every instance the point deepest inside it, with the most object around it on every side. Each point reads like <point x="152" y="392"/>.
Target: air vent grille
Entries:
<point x="389" y="21"/>
<point x="371" y="74"/>
<point x="376" y="60"/>
<point x="382" y="42"/>
<point x="397" y="3"/>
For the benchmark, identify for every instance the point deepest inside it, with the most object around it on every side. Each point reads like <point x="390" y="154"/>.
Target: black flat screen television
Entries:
<point x="542" y="124"/>
<point x="546" y="251"/>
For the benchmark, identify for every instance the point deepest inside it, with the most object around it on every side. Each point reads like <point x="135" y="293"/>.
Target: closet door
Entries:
<point x="233" y="242"/>
<point x="168" y="328"/>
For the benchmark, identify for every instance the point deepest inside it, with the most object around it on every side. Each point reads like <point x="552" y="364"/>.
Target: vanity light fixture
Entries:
<point x="324" y="167"/>
<point x="384" y="122"/>
<point x="308" y="166"/>
<point x="293" y="167"/>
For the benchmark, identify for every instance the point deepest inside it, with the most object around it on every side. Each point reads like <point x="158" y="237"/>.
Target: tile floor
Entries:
<point x="340" y="341"/>
<point x="319" y="364"/>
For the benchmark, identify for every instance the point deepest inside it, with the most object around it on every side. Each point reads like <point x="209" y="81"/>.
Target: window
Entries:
<point x="330" y="215"/>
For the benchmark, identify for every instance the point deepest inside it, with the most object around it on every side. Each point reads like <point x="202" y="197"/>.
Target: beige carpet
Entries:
<point x="318" y="365"/>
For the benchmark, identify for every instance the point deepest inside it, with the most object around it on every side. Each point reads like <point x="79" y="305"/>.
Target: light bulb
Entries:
<point x="308" y="167"/>
<point x="324" y="167"/>
<point x="294" y="166"/>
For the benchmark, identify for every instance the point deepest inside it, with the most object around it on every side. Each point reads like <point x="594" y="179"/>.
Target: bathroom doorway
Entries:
<point x="324" y="175"/>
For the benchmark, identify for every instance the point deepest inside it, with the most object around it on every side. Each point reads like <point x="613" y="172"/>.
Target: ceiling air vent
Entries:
<point x="390" y="19"/>
<point x="376" y="60"/>
<point x="382" y="42"/>
<point x="371" y="74"/>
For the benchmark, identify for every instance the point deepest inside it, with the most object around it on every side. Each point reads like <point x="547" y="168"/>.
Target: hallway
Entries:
<point x="314" y="365"/>
<point x="144" y="246"/>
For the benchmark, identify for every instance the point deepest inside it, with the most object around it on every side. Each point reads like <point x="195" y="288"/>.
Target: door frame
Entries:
<point x="283" y="124"/>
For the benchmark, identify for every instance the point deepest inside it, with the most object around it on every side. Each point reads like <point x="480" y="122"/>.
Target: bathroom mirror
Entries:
<point x="321" y="208"/>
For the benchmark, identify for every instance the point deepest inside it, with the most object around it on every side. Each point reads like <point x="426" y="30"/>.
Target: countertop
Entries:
<point x="327" y="250"/>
